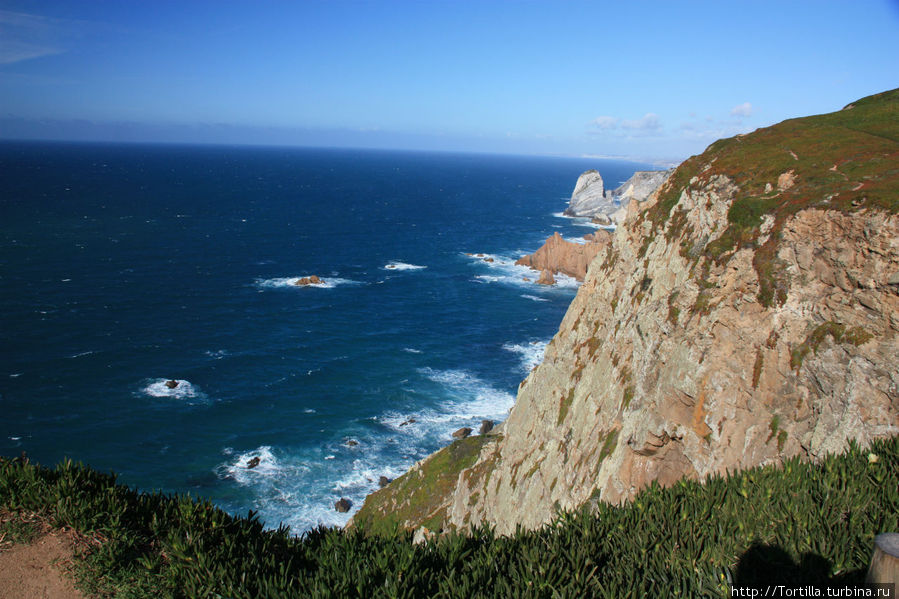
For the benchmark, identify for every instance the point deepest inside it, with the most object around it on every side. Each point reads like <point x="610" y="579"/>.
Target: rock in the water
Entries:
<point x="486" y="427"/>
<point x="408" y="422"/>
<point x="546" y="278"/>
<point x="351" y="443"/>
<point x="462" y="433"/>
<point x="343" y="505"/>
<point x="310" y="280"/>
<point x="383" y="482"/>
<point x="253" y="462"/>
<point x="591" y="199"/>
<point x="566" y="257"/>
<point x="171" y="384"/>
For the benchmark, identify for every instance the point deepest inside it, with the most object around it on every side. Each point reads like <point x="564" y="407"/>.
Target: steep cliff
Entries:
<point x="747" y="312"/>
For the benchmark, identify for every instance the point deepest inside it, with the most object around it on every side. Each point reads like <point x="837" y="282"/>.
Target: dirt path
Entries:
<point x="39" y="569"/>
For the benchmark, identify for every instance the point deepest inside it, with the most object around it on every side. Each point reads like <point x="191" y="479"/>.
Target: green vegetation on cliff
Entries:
<point x="416" y="495"/>
<point x="846" y="160"/>
<point x="798" y="524"/>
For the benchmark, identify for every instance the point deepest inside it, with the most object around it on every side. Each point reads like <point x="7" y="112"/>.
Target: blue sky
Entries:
<point x="657" y="80"/>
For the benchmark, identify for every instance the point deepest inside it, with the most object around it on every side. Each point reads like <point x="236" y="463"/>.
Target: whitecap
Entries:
<point x="395" y="265"/>
<point x="82" y="354"/>
<point x="467" y="400"/>
<point x="184" y="389"/>
<point x="505" y="271"/>
<point x="531" y="354"/>
<point x="217" y="354"/>
<point x="534" y="298"/>
<point x="241" y="468"/>
<point x="291" y="282"/>
<point x="411" y="350"/>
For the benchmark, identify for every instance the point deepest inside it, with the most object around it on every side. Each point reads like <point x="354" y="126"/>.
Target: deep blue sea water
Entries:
<point x="122" y="266"/>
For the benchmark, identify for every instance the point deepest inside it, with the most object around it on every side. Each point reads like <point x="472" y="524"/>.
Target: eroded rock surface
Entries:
<point x="747" y="312"/>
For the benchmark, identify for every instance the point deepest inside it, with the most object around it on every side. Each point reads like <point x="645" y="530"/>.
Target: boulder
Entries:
<point x="253" y="462"/>
<point x="546" y="278"/>
<point x="343" y="505"/>
<point x="351" y="443"/>
<point x="486" y="427"/>
<point x="383" y="482"/>
<point x="171" y="384"/>
<point x="310" y="280"/>
<point x="462" y="433"/>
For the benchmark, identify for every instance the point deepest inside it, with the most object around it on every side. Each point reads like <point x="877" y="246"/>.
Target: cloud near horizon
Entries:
<point x="741" y="110"/>
<point x="649" y="122"/>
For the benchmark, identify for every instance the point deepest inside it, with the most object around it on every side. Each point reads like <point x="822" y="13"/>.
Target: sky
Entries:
<point x="638" y="79"/>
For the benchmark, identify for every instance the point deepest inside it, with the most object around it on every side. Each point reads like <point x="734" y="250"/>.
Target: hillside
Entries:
<point x="744" y="314"/>
<point x="802" y="524"/>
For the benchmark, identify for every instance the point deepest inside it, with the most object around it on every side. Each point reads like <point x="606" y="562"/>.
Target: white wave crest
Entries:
<point x="183" y="390"/>
<point x="291" y="282"/>
<point x="531" y="354"/>
<point x="394" y="265"/>
<point x="503" y="270"/>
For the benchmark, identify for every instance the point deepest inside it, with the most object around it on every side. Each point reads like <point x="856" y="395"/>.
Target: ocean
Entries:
<point x="124" y="266"/>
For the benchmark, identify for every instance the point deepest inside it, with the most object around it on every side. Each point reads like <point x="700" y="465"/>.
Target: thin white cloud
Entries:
<point x="649" y="122"/>
<point x="24" y="37"/>
<point x="12" y="51"/>
<point x="606" y="122"/>
<point x="741" y="110"/>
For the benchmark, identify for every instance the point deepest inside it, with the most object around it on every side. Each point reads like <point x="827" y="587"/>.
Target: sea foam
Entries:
<point x="291" y="282"/>
<point x="184" y="390"/>
<point x="402" y="266"/>
<point x="531" y="354"/>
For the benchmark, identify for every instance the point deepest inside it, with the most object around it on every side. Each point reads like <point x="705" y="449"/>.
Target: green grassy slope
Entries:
<point x="799" y="524"/>
<point x="846" y="160"/>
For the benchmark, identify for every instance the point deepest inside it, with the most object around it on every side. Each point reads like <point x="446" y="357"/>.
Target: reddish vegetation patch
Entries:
<point x="861" y="141"/>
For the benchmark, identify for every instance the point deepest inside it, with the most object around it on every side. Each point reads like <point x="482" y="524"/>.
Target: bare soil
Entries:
<point x="39" y="569"/>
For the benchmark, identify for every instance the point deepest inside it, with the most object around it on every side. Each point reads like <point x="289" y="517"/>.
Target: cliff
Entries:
<point x="747" y="312"/>
<point x="591" y="199"/>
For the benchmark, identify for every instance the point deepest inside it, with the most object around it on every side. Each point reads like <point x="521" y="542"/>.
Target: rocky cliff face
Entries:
<point x="747" y="312"/>
<point x="591" y="199"/>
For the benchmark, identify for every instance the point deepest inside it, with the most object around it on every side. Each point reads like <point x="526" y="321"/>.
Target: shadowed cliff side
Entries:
<point x="747" y="312"/>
